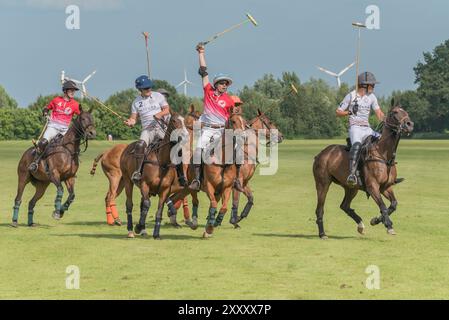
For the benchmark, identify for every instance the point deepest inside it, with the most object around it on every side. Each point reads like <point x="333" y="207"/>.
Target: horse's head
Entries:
<point x="85" y="124"/>
<point x="398" y="119"/>
<point x="236" y="120"/>
<point x="177" y="124"/>
<point x="191" y="117"/>
<point x="262" y="122"/>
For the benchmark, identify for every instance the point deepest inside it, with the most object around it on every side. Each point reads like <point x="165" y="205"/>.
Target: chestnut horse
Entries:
<point x="59" y="164"/>
<point x="217" y="182"/>
<point x="377" y="169"/>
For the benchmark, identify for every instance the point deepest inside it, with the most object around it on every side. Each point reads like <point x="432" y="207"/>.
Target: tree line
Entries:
<point x="308" y="114"/>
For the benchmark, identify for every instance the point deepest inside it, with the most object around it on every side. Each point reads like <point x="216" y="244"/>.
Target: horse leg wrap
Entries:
<point x="58" y="200"/>
<point x="109" y="218"/>
<point x="15" y="215"/>
<point x="219" y="220"/>
<point x="114" y="211"/>
<point x="319" y="222"/>
<point x="144" y="207"/>
<point x="171" y="208"/>
<point x="157" y="225"/>
<point x="234" y="215"/>
<point x="386" y="219"/>
<point x="392" y="207"/>
<point x="69" y="201"/>
<point x="129" y="216"/>
<point x="30" y="217"/>
<point x="247" y="208"/>
<point x="211" y="216"/>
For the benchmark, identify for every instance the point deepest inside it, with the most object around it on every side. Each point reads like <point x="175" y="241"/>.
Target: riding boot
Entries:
<point x="237" y="185"/>
<point x="139" y="154"/>
<point x="41" y="146"/>
<point x="181" y="177"/>
<point x="354" y="154"/>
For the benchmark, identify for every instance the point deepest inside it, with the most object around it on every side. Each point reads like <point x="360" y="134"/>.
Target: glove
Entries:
<point x="45" y="113"/>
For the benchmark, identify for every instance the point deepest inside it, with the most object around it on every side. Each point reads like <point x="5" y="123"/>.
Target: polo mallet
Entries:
<point x="359" y="26"/>
<point x="294" y="89"/>
<point x="105" y="107"/>
<point x="146" y="35"/>
<point x="42" y="133"/>
<point x="249" y="19"/>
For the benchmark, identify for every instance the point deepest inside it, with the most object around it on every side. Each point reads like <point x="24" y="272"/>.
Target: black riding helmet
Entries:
<point x="367" y="78"/>
<point x="69" y="85"/>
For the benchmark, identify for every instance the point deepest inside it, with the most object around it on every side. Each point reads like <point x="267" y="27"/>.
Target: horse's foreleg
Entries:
<point x="41" y="187"/>
<point x="144" y="208"/>
<point x="224" y="207"/>
<point x="373" y="190"/>
<point x="346" y="207"/>
<point x="70" y="184"/>
<point x="235" y="207"/>
<point x="195" y="204"/>
<point x="160" y="207"/>
<point x="212" y="211"/>
<point x="249" y="203"/>
<point x="55" y="179"/>
<point x="389" y="194"/>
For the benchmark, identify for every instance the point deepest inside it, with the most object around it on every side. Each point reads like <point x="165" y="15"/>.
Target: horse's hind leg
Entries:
<point x="70" y="184"/>
<point x="41" y="187"/>
<point x="224" y="207"/>
<point x="346" y="207"/>
<point x="129" y="206"/>
<point x="145" y="204"/>
<point x="235" y="207"/>
<point x="116" y="185"/>
<point x="322" y="187"/>
<point x="23" y="180"/>
<point x="389" y="194"/>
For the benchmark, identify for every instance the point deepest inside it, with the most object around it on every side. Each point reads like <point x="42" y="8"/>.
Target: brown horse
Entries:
<point x="247" y="170"/>
<point x="377" y="168"/>
<point x="217" y="183"/>
<point x="110" y="163"/>
<point x="157" y="178"/>
<point x="59" y="164"/>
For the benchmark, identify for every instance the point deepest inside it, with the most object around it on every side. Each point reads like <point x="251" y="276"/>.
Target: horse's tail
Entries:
<point x="95" y="164"/>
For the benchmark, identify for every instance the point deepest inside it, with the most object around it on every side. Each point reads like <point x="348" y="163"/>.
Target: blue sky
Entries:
<point x="292" y="36"/>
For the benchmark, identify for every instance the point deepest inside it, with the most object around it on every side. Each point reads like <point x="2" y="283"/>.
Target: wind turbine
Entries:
<point x="185" y="83"/>
<point x="337" y="75"/>
<point x="82" y="83"/>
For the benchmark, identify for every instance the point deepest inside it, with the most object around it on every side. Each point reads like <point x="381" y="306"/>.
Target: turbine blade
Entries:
<point x="346" y="69"/>
<point x="180" y="84"/>
<point x="89" y="76"/>
<point x="327" y="71"/>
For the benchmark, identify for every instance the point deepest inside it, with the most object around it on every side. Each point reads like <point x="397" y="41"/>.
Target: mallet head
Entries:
<point x="358" y="25"/>
<point x="253" y="21"/>
<point x="295" y="90"/>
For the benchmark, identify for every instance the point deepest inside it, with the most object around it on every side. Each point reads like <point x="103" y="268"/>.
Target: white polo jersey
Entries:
<point x="147" y="107"/>
<point x="366" y="103"/>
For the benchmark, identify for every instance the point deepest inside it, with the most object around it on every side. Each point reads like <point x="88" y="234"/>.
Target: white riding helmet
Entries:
<point x="220" y="77"/>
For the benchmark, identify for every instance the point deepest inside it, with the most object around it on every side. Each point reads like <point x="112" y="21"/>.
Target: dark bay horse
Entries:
<point x="59" y="165"/>
<point x="377" y="168"/>
<point x="157" y="178"/>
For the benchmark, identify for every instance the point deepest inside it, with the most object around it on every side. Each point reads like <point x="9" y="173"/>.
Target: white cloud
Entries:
<point x="62" y="4"/>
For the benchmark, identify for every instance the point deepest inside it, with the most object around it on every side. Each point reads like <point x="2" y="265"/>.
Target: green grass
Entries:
<point x="276" y="254"/>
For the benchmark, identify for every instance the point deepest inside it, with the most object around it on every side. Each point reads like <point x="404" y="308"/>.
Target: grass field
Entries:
<point x="275" y="255"/>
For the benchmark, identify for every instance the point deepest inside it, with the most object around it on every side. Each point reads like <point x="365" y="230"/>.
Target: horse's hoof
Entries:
<point x="374" y="221"/>
<point x="391" y="232"/>
<point x="33" y="225"/>
<point x="138" y="229"/>
<point x="236" y="226"/>
<point x="14" y="224"/>
<point x="361" y="228"/>
<point x="194" y="224"/>
<point x="206" y="235"/>
<point x="176" y="225"/>
<point x="188" y="223"/>
<point x="131" y="235"/>
<point x="118" y="222"/>
<point x="324" y="237"/>
<point x="56" y="215"/>
<point x="157" y="237"/>
<point x="144" y="233"/>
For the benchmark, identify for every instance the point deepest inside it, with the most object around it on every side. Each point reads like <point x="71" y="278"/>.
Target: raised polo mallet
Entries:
<point x="294" y="89"/>
<point x="249" y="19"/>
<point x="358" y="25"/>
<point x="146" y="35"/>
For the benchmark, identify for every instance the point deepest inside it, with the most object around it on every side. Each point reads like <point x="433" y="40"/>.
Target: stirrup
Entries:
<point x="195" y="185"/>
<point x="237" y="186"/>
<point x="136" y="177"/>
<point x="352" y="180"/>
<point x="33" y="166"/>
